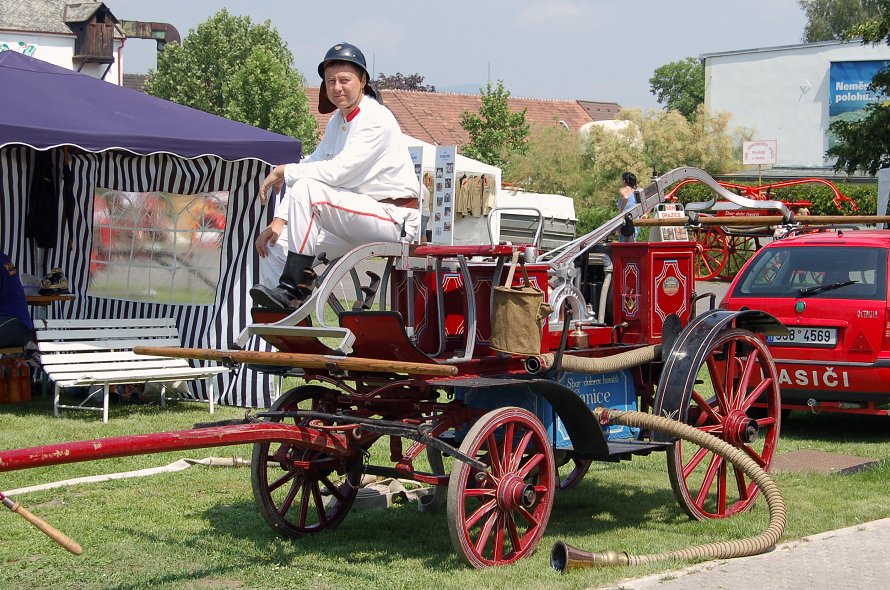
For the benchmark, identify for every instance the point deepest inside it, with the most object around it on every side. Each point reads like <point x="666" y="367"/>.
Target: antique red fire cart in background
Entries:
<point x="409" y="361"/>
<point x="721" y="250"/>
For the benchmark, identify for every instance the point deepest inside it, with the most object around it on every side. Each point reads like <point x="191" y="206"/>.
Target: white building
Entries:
<point x="80" y="36"/>
<point x="789" y="93"/>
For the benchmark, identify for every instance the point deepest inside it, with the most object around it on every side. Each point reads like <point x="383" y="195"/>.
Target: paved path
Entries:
<point x="853" y="558"/>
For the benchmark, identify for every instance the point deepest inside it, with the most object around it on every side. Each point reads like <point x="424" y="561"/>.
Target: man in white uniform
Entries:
<point x="358" y="186"/>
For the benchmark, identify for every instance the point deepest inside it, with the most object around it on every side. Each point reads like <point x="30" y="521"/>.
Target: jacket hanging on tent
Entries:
<point x="42" y="219"/>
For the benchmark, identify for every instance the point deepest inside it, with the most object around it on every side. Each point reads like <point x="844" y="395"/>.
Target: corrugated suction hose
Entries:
<point x="604" y="364"/>
<point x="564" y="557"/>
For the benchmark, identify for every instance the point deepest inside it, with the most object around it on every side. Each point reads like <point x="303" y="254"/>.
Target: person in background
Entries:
<point x="358" y="186"/>
<point x="627" y="200"/>
<point x="16" y="328"/>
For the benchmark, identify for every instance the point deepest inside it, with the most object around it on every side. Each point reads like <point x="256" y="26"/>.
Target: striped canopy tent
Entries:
<point x="64" y="136"/>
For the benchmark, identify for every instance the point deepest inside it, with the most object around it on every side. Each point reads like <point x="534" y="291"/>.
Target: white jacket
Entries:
<point x="366" y="154"/>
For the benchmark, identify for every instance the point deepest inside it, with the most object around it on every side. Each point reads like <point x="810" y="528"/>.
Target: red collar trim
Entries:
<point x="352" y="115"/>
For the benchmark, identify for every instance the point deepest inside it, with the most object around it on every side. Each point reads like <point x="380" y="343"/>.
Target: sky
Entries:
<point x="599" y="50"/>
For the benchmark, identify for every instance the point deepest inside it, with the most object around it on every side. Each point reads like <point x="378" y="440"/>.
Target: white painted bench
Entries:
<point x="99" y="353"/>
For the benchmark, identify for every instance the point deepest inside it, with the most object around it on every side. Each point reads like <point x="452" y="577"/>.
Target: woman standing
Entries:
<point x="627" y="200"/>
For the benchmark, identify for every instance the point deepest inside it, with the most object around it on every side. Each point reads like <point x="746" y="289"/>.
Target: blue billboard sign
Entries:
<point x="849" y="81"/>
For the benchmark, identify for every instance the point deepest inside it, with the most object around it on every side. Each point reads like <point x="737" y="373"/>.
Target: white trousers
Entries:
<point x="272" y="265"/>
<point x="334" y="221"/>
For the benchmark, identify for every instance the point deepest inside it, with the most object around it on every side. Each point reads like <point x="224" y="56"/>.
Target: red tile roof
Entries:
<point x="600" y="111"/>
<point x="434" y="117"/>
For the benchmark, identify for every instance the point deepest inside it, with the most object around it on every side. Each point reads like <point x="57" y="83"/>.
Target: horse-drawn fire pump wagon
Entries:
<point x="505" y="361"/>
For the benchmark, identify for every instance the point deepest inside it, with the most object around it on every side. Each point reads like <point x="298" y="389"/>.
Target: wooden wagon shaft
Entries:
<point x="760" y="220"/>
<point x="302" y="361"/>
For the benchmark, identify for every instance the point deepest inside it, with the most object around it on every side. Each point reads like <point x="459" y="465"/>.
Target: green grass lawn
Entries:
<point x="199" y="529"/>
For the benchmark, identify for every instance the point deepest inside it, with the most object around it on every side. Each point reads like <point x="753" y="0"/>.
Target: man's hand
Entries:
<point x="273" y="181"/>
<point x="269" y="237"/>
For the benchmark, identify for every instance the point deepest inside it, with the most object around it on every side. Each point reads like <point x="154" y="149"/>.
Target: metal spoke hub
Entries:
<point x="513" y="492"/>
<point x="740" y="428"/>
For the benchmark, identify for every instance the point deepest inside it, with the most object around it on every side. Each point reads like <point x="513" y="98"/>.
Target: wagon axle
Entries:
<point x="514" y="493"/>
<point x="741" y="429"/>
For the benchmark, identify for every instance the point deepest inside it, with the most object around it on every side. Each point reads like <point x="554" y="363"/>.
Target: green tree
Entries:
<point x="399" y="81"/>
<point x="609" y="153"/>
<point x="875" y="29"/>
<point x="554" y="162"/>
<point x="562" y="162"/>
<point x="833" y="19"/>
<point x="589" y="168"/>
<point x="231" y="67"/>
<point x="680" y="85"/>
<point x="670" y="140"/>
<point x="495" y="132"/>
<point x="865" y="144"/>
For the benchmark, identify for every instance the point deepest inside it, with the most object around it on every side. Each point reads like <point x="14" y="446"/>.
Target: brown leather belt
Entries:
<point x="410" y="202"/>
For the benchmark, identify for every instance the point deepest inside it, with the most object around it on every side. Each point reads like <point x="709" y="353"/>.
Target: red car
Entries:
<point x="829" y="288"/>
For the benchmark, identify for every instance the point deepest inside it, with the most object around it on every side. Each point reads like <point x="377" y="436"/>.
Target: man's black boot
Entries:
<point x="295" y="284"/>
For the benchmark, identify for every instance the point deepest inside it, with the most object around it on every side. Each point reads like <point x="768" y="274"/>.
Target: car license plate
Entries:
<point x="804" y="336"/>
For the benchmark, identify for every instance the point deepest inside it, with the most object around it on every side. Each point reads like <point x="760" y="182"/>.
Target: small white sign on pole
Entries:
<point x="759" y="152"/>
<point x="443" y="195"/>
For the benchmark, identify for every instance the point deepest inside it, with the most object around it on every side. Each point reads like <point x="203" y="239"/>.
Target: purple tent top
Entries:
<point x="48" y="106"/>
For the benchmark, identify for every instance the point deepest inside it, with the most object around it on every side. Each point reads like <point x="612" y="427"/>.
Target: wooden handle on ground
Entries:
<point x="302" y="361"/>
<point x="47" y="529"/>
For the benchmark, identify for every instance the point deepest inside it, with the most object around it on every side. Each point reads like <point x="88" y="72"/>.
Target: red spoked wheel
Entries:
<point x="710" y="253"/>
<point x="499" y="515"/>
<point x="738" y="250"/>
<point x="298" y="491"/>
<point x="736" y="372"/>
